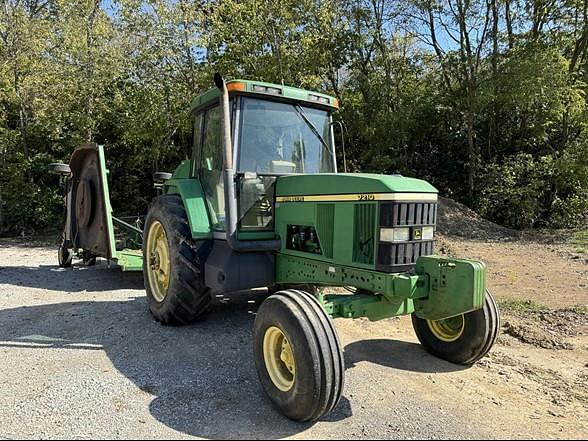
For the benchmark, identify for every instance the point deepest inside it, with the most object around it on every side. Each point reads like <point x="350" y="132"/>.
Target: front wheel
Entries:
<point x="463" y="339"/>
<point x="298" y="355"/>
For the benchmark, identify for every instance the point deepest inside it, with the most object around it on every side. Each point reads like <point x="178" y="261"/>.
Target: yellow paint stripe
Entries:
<point x="363" y="197"/>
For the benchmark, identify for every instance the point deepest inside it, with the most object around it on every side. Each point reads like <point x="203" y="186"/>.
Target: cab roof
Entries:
<point x="261" y="89"/>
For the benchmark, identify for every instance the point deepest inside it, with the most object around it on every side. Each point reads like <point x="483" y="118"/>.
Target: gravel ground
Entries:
<point x="81" y="357"/>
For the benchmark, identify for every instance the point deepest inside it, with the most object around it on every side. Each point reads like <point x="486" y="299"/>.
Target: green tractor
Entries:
<point x="260" y="204"/>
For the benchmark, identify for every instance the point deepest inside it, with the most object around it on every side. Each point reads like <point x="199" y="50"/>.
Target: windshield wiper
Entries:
<point x="312" y="127"/>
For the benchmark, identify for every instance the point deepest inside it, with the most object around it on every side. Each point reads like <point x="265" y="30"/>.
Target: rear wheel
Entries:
<point x="463" y="339"/>
<point x="298" y="355"/>
<point x="172" y="263"/>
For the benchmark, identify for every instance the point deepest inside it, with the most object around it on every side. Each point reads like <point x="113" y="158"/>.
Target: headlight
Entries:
<point x="428" y="233"/>
<point x="394" y="234"/>
<point x="402" y="234"/>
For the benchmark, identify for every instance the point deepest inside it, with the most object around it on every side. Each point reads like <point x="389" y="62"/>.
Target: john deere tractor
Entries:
<point x="261" y="204"/>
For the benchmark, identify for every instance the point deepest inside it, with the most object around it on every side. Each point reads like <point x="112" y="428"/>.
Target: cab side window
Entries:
<point x="211" y="164"/>
<point x="197" y="144"/>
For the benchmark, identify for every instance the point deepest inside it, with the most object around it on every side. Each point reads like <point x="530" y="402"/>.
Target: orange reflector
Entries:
<point x="336" y="103"/>
<point x="232" y="87"/>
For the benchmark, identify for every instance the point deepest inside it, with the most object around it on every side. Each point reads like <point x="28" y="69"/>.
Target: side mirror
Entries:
<point x="59" y="169"/>
<point x="342" y="127"/>
<point x="161" y="176"/>
<point x="158" y="179"/>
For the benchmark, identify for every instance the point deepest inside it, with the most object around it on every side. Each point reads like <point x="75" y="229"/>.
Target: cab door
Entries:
<point x="209" y="163"/>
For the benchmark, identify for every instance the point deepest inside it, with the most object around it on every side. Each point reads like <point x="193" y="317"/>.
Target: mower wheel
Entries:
<point x="298" y="355"/>
<point x="88" y="259"/>
<point x="463" y="339"/>
<point x="64" y="256"/>
<point x="172" y="264"/>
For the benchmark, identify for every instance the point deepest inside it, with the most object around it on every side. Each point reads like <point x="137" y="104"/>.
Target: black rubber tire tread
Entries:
<point x="64" y="256"/>
<point x="336" y="353"/>
<point x="187" y="297"/>
<point x="480" y="333"/>
<point x="494" y="318"/>
<point x="322" y="365"/>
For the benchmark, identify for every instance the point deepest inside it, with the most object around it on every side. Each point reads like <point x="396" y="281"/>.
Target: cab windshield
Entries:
<point x="283" y="138"/>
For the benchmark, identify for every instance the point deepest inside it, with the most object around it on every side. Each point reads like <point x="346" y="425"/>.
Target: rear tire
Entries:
<point x="464" y="339"/>
<point x="184" y="297"/>
<point x="298" y="355"/>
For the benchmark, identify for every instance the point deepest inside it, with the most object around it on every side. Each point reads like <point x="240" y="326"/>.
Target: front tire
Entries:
<point x="298" y="355"/>
<point x="463" y="339"/>
<point x="172" y="264"/>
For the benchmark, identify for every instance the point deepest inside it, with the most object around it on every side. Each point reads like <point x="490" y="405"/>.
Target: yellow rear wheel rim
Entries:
<point x="158" y="261"/>
<point x="448" y="330"/>
<point x="279" y="359"/>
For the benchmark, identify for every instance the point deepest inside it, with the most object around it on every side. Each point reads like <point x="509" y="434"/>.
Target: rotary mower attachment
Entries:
<point x="90" y="229"/>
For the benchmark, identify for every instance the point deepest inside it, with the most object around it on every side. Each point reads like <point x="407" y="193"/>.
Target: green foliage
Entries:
<point x="28" y="206"/>
<point x="570" y="205"/>
<point x="513" y="190"/>
<point x="495" y="117"/>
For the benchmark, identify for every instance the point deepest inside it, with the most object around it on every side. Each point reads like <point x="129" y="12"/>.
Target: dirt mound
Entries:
<point x="455" y="219"/>
<point x="548" y="329"/>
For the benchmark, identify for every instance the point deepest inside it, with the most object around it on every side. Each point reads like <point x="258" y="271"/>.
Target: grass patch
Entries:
<point x="579" y="309"/>
<point x="521" y="306"/>
<point x="580" y="238"/>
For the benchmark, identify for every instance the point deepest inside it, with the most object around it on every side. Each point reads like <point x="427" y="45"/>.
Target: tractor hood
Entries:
<point x="349" y="184"/>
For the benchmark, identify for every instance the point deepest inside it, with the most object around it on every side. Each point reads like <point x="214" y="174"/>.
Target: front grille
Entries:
<point x="394" y="214"/>
<point x="401" y="256"/>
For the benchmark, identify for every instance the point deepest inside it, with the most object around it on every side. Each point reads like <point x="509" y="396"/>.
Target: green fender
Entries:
<point x="190" y="190"/>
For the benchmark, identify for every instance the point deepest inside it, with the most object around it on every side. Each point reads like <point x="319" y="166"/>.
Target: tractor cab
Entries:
<point x="275" y="130"/>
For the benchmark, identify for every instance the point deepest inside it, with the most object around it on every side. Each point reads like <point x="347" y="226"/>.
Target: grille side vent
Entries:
<point x="325" y="217"/>
<point x="364" y="240"/>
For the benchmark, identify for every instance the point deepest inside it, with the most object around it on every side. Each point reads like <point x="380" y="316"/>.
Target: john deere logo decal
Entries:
<point x="417" y="233"/>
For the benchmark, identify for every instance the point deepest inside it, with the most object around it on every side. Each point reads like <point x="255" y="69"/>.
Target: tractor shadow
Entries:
<point x="75" y="279"/>
<point x="397" y="354"/>
<point x="202" y="377"/>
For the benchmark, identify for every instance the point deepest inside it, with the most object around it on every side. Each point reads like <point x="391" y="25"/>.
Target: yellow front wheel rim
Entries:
<point x="158" y="261"/>
<point x="279" y="359"/>
<point x="448" y="330"/>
